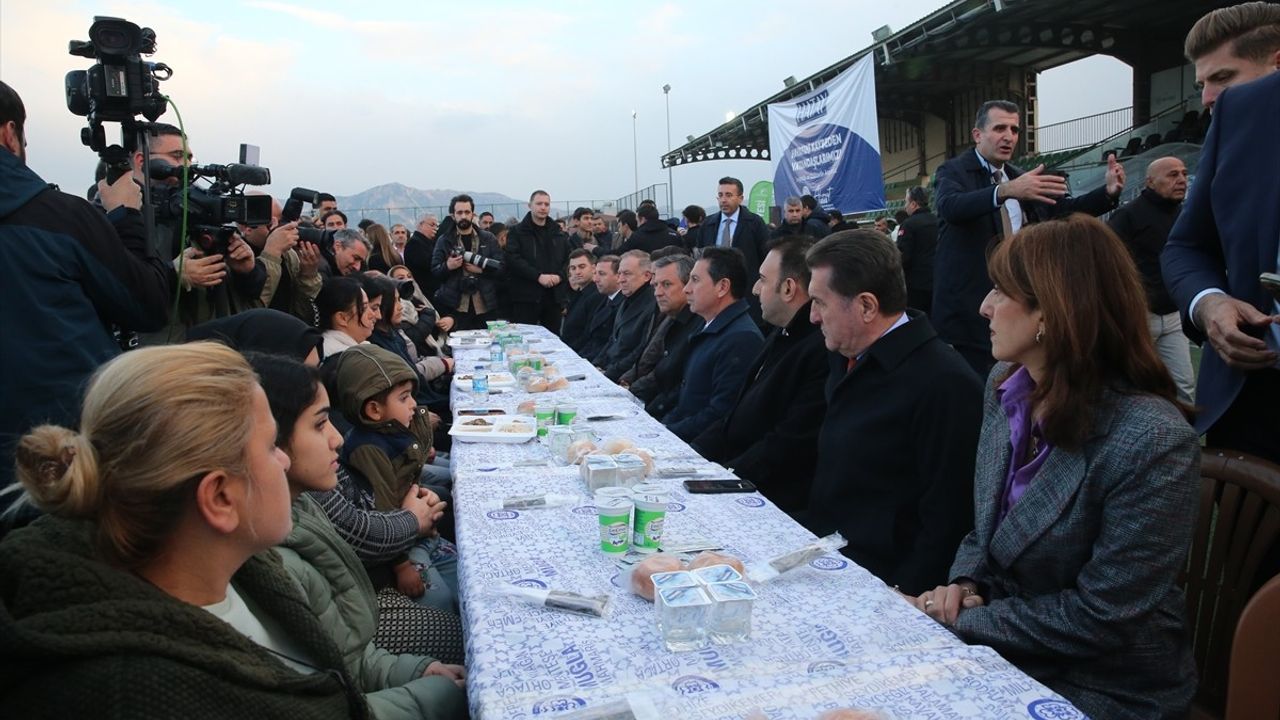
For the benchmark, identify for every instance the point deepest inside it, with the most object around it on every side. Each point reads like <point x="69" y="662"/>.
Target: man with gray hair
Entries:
<point x="794" y="221"/>
<point x="347" y="254"/>
<point x="418" y="252"/>
<point x="631" y="321"/>
<point x="896" y="447"/>
<point x="981" y="199"/>
<point x="656" y="376"/>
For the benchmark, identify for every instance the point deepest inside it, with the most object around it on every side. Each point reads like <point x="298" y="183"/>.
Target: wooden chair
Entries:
<point x="1233" y="550"/>
<point x="1252" y="691"/>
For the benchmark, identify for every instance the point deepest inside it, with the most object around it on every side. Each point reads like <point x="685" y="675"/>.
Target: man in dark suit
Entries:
<point x="584" y="299"/>
<point x="896" y="448"/>
<point x="981" y="198"/>
<point x="720" y="354"/>
<point x="918" y="243"/>
<point x="737" y="227"/>
<point x="600" y="323"/>
<point x="631" y="323"/>
<point x="537" y="255"/>
<point x="655" y="378"/>
<point x="770" y="437"/>
<point x="1228" y="234"/>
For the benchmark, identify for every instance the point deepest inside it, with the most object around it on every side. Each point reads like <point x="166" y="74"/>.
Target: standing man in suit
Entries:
<point x="982" y="199"/>
<point x="537" y="257"/>
<point x="918" y="243"/>
<point x="1228" y="234"/>
<point x="770" y="436"/>
<point x="631" y="323"/>
<point x="737" y="227"/>
<point x="896" y="446"/>
<point x="584" y="299"/>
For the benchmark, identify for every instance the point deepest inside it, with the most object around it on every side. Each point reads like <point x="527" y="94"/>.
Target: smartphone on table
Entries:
<point x="728" y="485"/>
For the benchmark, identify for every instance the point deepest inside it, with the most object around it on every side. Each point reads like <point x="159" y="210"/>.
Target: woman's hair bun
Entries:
<point x="59" y="469"/>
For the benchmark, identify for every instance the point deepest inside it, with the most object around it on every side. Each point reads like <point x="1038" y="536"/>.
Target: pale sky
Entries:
<point x="488" y="96"/>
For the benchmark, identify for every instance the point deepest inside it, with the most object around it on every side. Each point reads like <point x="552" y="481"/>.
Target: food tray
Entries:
<point x="496" y="380"/>
<point x="491" y="429"/>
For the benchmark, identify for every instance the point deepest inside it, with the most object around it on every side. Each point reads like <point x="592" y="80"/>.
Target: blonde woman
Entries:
<point x="384" y="251"/>
<point x="146" y="591"/>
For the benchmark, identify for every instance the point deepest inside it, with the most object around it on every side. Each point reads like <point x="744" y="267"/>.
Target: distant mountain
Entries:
<point x="397" y="203"/>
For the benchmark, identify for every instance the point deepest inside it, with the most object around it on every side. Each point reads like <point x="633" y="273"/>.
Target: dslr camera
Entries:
<point x="481" y="261"/>
<point x="293" y="210"/>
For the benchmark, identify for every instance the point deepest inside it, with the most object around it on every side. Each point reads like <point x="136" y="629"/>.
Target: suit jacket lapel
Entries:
<point x="1048" y="495"/>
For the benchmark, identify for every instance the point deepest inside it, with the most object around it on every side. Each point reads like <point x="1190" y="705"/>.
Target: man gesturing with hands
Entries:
<point x="981" y="198"/>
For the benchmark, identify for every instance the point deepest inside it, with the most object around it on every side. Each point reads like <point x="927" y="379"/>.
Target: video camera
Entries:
<point x="119" y="87"/>
<point x="211" y="210"/>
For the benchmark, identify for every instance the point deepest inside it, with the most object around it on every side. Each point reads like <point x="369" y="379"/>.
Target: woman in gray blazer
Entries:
<point x="1085" y="483"/>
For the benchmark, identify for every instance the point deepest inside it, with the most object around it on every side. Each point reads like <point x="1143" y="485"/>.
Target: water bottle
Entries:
<point x="479" y="389"/>
<point x="496" y="355"/>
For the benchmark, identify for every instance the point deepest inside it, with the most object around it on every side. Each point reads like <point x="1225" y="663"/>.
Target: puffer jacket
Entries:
<point x="342" y="598"/>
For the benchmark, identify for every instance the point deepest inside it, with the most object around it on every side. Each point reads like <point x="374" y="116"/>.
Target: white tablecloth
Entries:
<point x="825" y="636"/>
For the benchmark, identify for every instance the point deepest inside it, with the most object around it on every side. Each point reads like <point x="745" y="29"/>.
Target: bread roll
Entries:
<point x="616" y="445"/>
<point x="536" y="385"/>
<point x="526" y="407"/>
<point x="558" y="384"/>
<point x="578" y="450"/>
<point x="707" y="559"/>
<point x="642" y="574"/>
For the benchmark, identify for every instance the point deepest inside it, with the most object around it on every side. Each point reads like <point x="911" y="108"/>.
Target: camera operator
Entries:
<point x="66" y="272"/>
<point x="293" y="266"/>
<point x="468" y="263"/>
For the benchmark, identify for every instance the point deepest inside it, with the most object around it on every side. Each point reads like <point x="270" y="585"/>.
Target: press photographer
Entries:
<point x="292" y="265"/>
<point x="468" y="263"/>
<point x="66" y="273"/>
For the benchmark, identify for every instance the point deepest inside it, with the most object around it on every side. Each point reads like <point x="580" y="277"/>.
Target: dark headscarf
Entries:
<point x="262" y="330"/>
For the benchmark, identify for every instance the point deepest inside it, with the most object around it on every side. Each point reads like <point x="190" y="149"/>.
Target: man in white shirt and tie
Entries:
<point x="981" y="198"/>
<point x="737" y="227"/>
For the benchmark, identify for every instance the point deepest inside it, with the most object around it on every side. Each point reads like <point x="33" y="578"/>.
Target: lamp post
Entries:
<point x="635" y="151"/>
<point x="671" y="210"/>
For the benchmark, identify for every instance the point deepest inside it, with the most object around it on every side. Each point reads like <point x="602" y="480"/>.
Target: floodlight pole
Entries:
<point x="671" y="210"/>
<point x="635" y="151"/>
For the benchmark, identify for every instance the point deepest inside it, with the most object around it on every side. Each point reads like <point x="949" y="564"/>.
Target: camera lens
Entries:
<point x="112" y="40"/>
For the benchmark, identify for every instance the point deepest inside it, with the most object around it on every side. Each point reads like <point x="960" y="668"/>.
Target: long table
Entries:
<point x="824" y="636"/>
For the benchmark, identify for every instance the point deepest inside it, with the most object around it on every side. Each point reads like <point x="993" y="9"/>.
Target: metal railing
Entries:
<point x="656" y="192"/>
<point x="1083" y="131"/>
<point x="502" y="212"/>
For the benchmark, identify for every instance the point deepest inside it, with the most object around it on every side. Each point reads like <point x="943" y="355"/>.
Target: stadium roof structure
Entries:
<point x="970" y="45"/>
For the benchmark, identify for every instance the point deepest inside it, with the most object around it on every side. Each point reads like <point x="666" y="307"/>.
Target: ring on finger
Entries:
<point x="928" y="604"/>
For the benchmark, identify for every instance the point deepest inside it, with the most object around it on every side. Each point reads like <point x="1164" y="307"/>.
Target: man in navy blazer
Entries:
<point x="739" y="228"/>
<point x="980" y="198"/>
<point x="1228" y="234"/>
<point x="719" y="356"/>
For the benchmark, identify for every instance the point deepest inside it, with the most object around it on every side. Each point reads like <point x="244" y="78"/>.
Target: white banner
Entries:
<point x="827" y="143"/>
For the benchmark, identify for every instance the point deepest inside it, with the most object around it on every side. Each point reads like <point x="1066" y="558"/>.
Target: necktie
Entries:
<point x="1006" y="222"/>
<point x="726" y="238"/>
